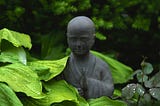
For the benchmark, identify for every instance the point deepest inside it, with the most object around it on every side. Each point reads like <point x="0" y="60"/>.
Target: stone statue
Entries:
<point x="89" y="74"/>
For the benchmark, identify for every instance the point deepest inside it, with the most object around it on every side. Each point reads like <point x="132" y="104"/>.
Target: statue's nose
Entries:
<point x="78" y="44"/>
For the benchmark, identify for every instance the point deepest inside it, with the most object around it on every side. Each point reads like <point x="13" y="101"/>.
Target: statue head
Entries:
<point x="80" y="35"/>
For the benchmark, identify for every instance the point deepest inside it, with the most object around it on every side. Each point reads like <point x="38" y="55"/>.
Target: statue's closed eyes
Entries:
<point x="89" y="74"/>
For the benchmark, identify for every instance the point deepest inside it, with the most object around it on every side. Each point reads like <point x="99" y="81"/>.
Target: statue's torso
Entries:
<point x="95" y="69"/>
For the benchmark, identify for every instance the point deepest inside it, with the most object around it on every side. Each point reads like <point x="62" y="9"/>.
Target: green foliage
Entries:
<point x="8" y="97"/>
<point x="48" y="69"/>
<point x="105" y="101"/>
<point x="120" y="72"/>
<point x="56" y="92"/>
<point x="100" y="36"/>
<point x="17" y="39"/>
<point x="128" y="26"/>
<point x="21" y="79"/>
<point x="143" y="92"/>
<point x="120" y="22"/>
<point x="51" y="47"/>
<point x="11" y="43"/>
<point x="33" y="83"/>
<point x="13" y="55"/>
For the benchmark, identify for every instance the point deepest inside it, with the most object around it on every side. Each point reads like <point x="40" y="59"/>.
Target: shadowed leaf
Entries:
<point x="8" y="97"/>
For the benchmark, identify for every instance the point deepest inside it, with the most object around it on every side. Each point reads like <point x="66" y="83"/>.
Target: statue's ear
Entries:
<point x="94" y="35"/>
<point x="93" y="40"/>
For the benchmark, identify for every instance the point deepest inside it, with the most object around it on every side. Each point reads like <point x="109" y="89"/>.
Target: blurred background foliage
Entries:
<point x="127" y="30"/>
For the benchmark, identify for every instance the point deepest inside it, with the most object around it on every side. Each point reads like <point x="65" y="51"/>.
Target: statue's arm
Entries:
<point x="102" y="86"/>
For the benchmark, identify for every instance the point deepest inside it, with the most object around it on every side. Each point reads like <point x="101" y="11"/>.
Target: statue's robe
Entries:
<point x="92" y="81"/>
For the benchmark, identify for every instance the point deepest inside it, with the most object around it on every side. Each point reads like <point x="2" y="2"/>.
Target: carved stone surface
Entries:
<point x="89" y="74"/>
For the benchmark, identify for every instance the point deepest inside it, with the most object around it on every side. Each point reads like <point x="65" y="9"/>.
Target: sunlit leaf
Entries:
<point x="21" y="79"/>
<point x="100" y="36"/>
<point x="16" y="38"/>
<point x="48" y="69"/>
<point x="117" y="92"/>
<point x="82" y="101"/>
<point x="56" y="92"/>
<point x="155" y="92"/>
<point x="12" y="54"/>
<point x="105" y="101"/>
<point x="120" y="72"/>
<point x="129" y="91"/>
<point x="8" y="97"/>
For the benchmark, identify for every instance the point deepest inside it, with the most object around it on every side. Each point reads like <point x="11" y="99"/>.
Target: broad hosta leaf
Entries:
<point x="155" y="92"/>
<point x="117" y="92"/>
<point x="105" y="101"/>
<point x="82" y="101"/>
<point x="13" y="55"/>
<point x="154" y="81"/>
<point x="47" y="69"/>
<point x="21" y="79"/>
<point x="8" y="97"/>
<point x="65" y="103"/>
<point x="57" y="92"/>
<point x="129" y="91"/>
<point x="120" y="72"/>
<point x="16" y="38"/>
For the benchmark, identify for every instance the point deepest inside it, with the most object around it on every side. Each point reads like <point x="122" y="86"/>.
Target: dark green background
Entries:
<point x="127" y="30"/>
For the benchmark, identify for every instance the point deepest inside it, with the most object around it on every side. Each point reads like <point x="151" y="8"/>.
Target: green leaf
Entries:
<point x="155" y="92"/>
<point x="141" y="23"/>
<point x="48" y="69"/>
<point x="154" y="81"/>
<point x="117" y="92"/>
<point x="59" y="91"/>
<point x="105" y="101"/>
<point x="141" y="77"/>
<point x="82" y="101"/>
<point x="140" y="90"/>
<point x="56" y="92"/>
<point x="21" y="79"/>
<point x="129" y="91"/>
<point x="147" y="97"/>
<point x="13" y="55"/>
<point x="16" y="38"/>
<point x="65" y="103"/>
<point x="100" y="36"/>
<point x="8" y="97"/>
<point x="147" y="68"/>
<point x="120" y="72"/>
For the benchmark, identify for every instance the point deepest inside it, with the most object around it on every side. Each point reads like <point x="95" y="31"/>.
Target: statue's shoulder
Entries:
<point x="101" y="63"/>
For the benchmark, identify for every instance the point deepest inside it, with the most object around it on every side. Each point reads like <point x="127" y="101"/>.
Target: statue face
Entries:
<point x="80" y="42"/>
<point x="80" y="33"/>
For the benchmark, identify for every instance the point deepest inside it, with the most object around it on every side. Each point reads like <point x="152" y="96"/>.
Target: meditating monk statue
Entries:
<point x="89" y="74"/>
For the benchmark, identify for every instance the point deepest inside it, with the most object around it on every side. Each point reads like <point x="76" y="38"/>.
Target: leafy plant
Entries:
<point x="32" y="82"/>
<point x="120" y="72"/>
<point x="146" y="91"/>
